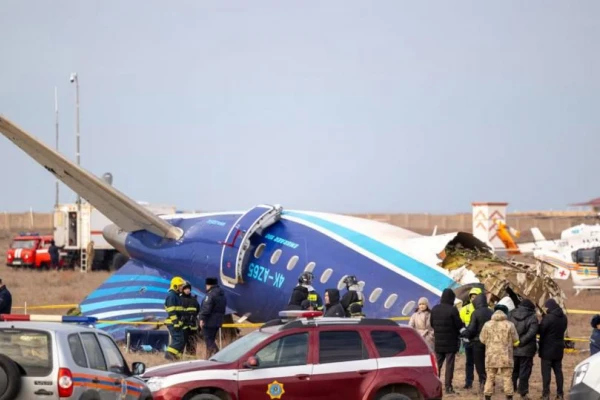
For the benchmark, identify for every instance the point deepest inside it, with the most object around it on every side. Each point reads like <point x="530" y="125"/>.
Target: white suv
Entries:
<point x="586" y="379"/>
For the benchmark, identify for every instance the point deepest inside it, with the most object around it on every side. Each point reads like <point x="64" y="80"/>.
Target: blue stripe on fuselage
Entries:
<point x="393" y="256"/>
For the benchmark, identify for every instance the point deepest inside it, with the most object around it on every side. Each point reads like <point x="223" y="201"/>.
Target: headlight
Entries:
<point x="580" y="374"/>
<point x="155" y="383"/>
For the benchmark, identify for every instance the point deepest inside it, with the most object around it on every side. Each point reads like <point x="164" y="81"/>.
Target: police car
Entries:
<point x="586" y="380"/>
<point x="300" y="356"/>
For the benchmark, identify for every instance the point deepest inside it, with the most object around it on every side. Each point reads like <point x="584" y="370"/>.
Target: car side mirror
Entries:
<point x="252" y="362"/>
<point x="138" y="368"/>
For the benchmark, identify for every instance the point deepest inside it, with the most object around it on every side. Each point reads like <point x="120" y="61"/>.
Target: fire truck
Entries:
<point x="29" y="250"/>
<point x="78" y="230"/>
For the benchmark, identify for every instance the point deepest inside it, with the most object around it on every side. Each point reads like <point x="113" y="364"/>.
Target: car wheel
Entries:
<point x="205" y="396"/>
<point x="394" y="396"/>
<point x="10" y="378"/>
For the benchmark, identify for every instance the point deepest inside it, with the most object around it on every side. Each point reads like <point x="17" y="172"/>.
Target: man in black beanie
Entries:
<point x="212" y="311"/>
<point x="552" y="346"/>
<point x="527" y="325"/>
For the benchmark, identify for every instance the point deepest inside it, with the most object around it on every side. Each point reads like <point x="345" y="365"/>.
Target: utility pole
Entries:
<point x="75" y="78"/>
<point x="56" y="113"/>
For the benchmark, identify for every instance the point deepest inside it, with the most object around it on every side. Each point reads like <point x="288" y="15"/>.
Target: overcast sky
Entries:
<point x="348" y="106"/>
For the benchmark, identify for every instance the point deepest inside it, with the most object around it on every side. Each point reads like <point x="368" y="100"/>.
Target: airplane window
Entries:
<point x="375" y="295"/>
<point x="292" y="263"/>
<point x="259" y="250"/>
<point x="310" y="267"/>
<point x="408" y="307"/>
<point x="275" y="256"/>
<point x="341" y="283"/>
<point x="326" y="275"/>
<point x="391" y="300"/>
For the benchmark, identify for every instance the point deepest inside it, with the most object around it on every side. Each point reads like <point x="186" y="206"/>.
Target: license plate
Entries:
<point x="17" y="262"/>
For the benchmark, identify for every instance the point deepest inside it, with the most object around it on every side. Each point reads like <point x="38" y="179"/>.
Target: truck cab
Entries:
<point x="29" y="250"/>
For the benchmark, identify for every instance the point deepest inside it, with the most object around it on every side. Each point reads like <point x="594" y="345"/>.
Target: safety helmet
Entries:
<point x="306" y="278"/>
<point x="176" y="282"/>
<point x="350" y="280"/>
<point x="474" y="291"/>
<point x="187" y="285"/>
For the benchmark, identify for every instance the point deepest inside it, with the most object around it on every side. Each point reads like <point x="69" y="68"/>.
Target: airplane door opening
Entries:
<point x="237" y="242"/>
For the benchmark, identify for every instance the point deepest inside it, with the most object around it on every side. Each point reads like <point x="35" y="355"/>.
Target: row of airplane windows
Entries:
<point x="373" y="297"/>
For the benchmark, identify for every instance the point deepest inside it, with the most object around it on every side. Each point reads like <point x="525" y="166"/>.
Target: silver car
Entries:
<point x="53" y="360"/>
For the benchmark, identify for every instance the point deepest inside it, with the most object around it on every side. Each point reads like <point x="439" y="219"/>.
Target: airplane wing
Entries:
<point x="120" y="209"/>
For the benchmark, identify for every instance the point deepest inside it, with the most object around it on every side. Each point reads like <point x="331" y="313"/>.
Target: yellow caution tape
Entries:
<point x="50" y="307"/>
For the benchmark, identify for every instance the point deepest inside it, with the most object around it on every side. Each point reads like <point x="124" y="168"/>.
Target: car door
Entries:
<point x="102" y="379"/>
<point x="119" y="370"/>
<point x="283" y="371"/>
<point x="343" y="367"/>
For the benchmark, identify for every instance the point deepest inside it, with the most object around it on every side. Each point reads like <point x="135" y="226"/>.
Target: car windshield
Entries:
<point x="23" y="244"/>
<point x="236" y="349"/>
<point x="30" y="349"/>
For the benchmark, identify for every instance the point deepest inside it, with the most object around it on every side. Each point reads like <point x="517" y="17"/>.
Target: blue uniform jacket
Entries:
<point x="212" y="309"/>
<point x="5" y="301"/>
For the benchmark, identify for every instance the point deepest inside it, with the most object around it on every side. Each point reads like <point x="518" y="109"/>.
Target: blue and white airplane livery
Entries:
<point x="257" y="254"/>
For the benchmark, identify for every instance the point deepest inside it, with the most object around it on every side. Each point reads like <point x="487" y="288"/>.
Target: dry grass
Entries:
<point x="70" y="287"/>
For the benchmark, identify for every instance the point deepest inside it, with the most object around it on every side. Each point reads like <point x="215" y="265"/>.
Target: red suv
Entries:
<point x="308" y="358"/>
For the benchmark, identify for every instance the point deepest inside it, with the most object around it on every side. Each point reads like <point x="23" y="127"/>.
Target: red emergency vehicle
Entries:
<point x="309" y="358"/>
<point x="29" y="250"/>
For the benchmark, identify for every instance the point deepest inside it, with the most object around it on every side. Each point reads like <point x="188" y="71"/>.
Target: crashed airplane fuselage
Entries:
<point x="257" y="254"/>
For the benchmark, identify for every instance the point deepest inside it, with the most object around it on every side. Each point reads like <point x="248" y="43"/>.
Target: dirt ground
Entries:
<point x="70" y="287"/>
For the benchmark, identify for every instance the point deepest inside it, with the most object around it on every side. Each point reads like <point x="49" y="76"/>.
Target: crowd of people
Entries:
<point x="497" y="341"/>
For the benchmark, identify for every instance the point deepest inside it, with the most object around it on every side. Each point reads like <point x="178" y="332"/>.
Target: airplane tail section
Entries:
<point x="123" y="211"/>
<point x="537" y="235"/>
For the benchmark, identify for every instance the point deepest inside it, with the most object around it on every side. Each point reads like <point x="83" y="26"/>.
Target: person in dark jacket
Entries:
<point x="5" y="299"/>
<point x="298" y="299"/>
<point x="189" y="317"/>
<point x="353" y="299"/>
<point x="480" y="316"/>
<point x="552" y="346"/>
<point x="527" y="326"/>
<point x="212" y="311"/>
<point x="595" y="338"/>
<point x="447" y="326"/>
<point x="53" y="251"/>
<point x="333" y="308"/>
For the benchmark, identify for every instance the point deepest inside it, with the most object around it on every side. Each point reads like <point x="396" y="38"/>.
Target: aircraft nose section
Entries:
<point x="116" y="237"/>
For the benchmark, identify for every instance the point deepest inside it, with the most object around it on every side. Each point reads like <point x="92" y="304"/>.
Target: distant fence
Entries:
<point x="550" y="223"/>
<point x="26" y="222"/>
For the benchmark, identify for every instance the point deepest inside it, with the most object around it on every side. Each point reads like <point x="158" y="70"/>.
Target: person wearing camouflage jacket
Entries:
<point x="499" y="336"/>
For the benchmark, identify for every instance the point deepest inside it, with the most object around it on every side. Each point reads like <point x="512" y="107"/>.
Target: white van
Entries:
<point x="586" y="379"/>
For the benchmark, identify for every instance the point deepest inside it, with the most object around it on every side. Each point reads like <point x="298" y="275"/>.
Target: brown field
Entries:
<point x="70" y="287"/>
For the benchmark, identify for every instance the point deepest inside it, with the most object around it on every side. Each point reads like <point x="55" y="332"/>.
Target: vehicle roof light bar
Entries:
<point x="48" y="318"/>
<point x="294" y="314"/>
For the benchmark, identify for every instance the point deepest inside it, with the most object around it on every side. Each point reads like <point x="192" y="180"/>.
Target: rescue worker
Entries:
<point x="479" y="317"/>
<point x="91" y="252"/>
<point x="332" y="301"/>
<point x="527" y="325"/>
<point x="191" y="308"/>
<point x="53" y="250"/>
<point x="212" y="311"/>
<point x="465" y="316"/>
<point x="499" y="336"/>
<point x="353" y="299"/>
<point x="447" y="326"/>
<point x="314" y="300"/>
<point x="174" y="323"/>
<point x="298" y="299"/>
<point x="5" y="299"/>
<point x="552" y="347"/>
